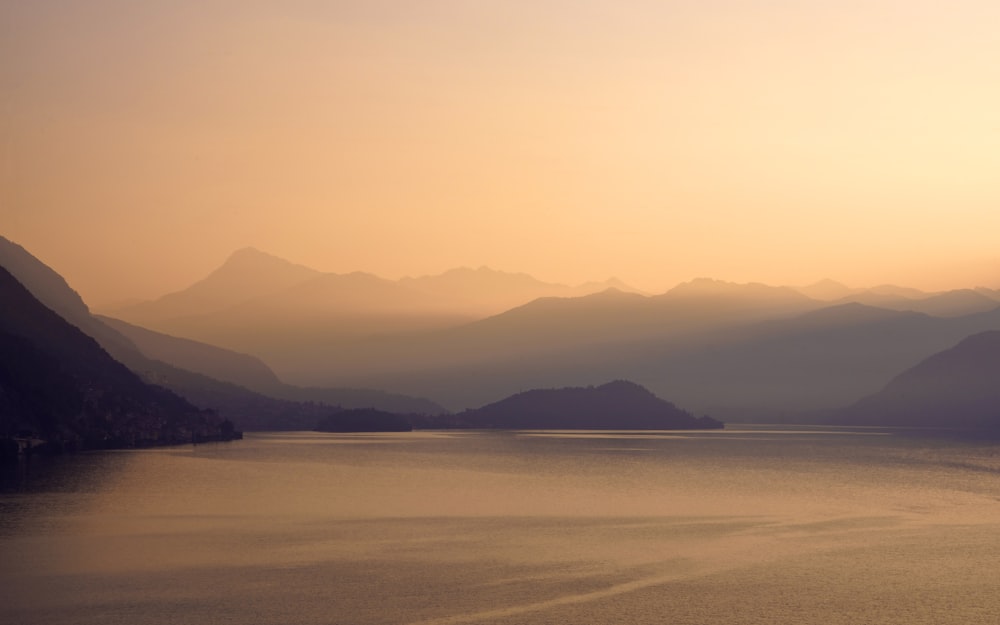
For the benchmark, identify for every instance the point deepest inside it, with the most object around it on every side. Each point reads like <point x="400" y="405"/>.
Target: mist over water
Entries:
<point x="748" y="525"/>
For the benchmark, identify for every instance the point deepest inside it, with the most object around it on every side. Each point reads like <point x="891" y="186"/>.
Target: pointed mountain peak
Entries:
<point x="246" y="274"/>
<point x="251" y="257"/>
<point x="612" y="294"/>
<point x="249" y="263"/>
<point x="610" y="283"/>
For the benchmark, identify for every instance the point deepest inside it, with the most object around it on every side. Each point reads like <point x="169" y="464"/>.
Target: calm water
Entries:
<point x="751" y="525"/>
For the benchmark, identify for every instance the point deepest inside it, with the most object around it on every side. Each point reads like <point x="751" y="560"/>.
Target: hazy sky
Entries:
<point x="781" y="141"/>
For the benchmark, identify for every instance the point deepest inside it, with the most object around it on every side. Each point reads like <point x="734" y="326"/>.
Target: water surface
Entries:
<point x="746" y="525"/>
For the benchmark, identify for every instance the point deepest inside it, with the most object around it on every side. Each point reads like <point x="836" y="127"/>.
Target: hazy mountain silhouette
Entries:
<point x="780" y="368"/>
<point x="993" y="294"/>
<point x="163" y="357"/>
<point x="318" y="312"/>
<point x="615" y="405"/>
<point x="52" y="290"/>
<point x="543" y="327"/>
<point x="958" y="387"/>
<point x="249" y="410"/>
<point x="767" y="370"/>
<point x="486" y="291"/>
<point x="747" y="351"/>
<point x="57" y="383"/>
<point x="245" y="389"/>
<point x="214" y="362"/>
<point x="952" y="303"/>
<point x="751" y="295"/>
<point x="248" y="273"/>
<point x="292" y="307"/>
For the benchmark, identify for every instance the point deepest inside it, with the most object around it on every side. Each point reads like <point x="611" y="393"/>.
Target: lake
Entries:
<point x="746" y="525"/>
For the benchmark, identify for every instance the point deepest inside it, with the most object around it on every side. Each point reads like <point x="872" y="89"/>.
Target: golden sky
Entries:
<point x="780" y="141"/>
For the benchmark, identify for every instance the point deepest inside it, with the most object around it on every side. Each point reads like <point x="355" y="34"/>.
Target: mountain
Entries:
<point x="208" y="360"/>
<point x="318" y="312"/>
<point x="768" y="370"/>
<point x="486" y="291"/>
<point x="250" y="411"/>
<point x="248" y="386"/>
<point x="224" y="381"/>
<point x="541" y="329"/>
<point x="547" y="342"/>
<point x="706" y="302"/>
<point x="616" y="405"/>
<point x="58" y="384"/>
<point x="753" y="293"/>
<point x="993" y="294"/>
<point x="262" y="305"/>
<point x="248" y="273"/>
<point x="958" y="387"/>
<point x="52" y="290"/>
<point x="952" y="303"/>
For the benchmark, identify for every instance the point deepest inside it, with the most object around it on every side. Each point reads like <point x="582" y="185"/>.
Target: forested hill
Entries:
<point x="615" y="405"/>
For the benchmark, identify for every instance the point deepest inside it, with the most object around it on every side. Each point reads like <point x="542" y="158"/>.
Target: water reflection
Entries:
<point x="753" y="525"/>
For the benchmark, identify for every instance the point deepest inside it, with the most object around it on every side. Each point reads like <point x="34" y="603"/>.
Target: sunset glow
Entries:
<point x="781" y="142"/>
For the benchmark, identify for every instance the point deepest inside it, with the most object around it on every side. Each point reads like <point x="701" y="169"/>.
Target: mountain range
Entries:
<point x="260" y="304"/>
<point x="736" y="351"/>
<point x="740" y="351"/>
<point x="237" y="386"/>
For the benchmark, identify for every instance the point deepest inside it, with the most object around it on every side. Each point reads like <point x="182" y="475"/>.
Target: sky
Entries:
<point x="780" y="141"/>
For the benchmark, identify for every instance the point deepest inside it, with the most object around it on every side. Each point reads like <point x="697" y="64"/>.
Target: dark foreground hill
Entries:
<point x="955" y="388"/>
<point x="58" y="384"/>
<point x="615" y="405"/>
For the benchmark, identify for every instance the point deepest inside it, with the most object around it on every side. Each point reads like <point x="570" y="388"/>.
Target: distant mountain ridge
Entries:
<point x="215" y="362"/>
<point x="548" y="325"/>
<point x="256" y="302"/>
<point x="738" y="351"/>
<point x="247" y="273"/>
<point x="953" y="303"/>
<point x="768" y="369"/>
<point x="956" y="388"/>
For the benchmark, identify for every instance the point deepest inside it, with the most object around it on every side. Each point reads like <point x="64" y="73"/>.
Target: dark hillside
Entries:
<point x="58" y="384"/>
<point x="615" y="405"/>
